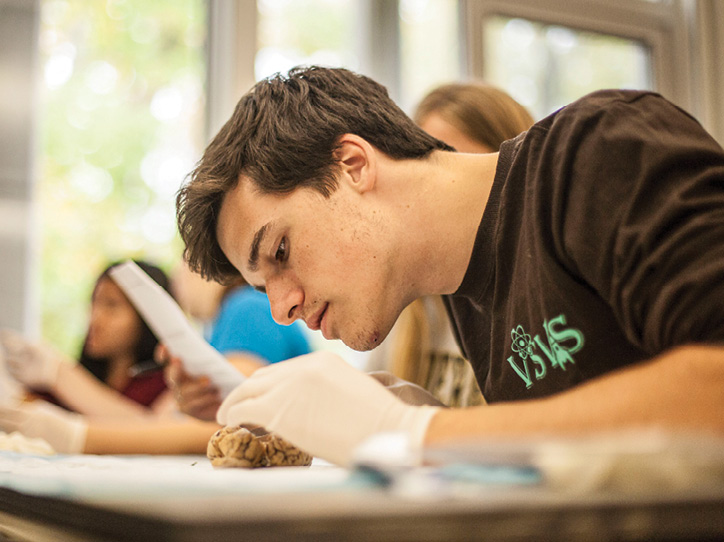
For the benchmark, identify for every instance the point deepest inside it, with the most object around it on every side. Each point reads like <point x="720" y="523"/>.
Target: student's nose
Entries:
<point x="285" y="298"/>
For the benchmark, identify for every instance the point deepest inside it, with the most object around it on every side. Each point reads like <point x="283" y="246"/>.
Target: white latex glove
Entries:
<point x="324" y="406"/>
<point x="410" y="393"/>
<point x="64" y="431"/>
<point x="34" y="365"/>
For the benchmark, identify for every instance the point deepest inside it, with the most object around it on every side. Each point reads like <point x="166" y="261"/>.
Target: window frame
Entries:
<point x="706" y="18"/>
<point x="685" y="39"/>
<point x="19" y="64"/>
<point x="230" y="52"/>
<point x="662" y="27"/>
<point x="232" y="46"/>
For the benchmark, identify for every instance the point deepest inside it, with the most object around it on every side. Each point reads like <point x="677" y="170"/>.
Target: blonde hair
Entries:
<point x="486" y="115"/>
<point x="482" y="112"/>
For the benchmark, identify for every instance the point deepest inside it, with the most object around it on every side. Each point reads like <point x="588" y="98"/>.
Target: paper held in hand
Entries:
<point x="173" y="329"/>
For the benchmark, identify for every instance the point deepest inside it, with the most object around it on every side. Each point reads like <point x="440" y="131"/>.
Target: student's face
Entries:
<point x="441" y="129"/>
<point x="322" y="260"/>
<point x="114" y="326"/>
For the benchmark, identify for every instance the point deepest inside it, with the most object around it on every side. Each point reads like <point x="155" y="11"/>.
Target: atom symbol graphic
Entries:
<point x="521" y="342"/>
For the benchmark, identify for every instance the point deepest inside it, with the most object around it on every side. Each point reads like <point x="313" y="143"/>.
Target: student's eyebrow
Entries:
<point x="255" y="244"/>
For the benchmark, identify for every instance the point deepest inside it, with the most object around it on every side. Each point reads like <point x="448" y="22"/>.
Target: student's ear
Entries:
<point x="356" y="159"/>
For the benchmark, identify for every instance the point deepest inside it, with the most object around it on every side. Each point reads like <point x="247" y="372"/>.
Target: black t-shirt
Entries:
<point x="601" y="245"/>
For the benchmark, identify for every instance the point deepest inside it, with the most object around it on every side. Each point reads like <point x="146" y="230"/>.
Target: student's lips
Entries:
<point x="316" y="322"/>
<point x="323" y="326"/>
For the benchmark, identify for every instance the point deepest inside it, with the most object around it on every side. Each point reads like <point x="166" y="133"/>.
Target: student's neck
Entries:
<point x="451" y="193"/>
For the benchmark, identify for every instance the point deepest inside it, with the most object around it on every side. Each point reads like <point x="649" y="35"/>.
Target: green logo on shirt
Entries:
<point x="558" y="354"/>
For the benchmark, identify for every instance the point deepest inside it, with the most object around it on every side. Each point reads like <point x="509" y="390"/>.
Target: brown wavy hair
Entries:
<point x="484" y="113"/>
<point x="283" y="135"/>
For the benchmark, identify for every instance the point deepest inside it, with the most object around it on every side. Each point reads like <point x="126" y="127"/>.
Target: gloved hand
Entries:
<point x="34" y="365"/>
<point x="410" y="393"/>
<point x="324" y="406"/>
<point x="64" y="431"/>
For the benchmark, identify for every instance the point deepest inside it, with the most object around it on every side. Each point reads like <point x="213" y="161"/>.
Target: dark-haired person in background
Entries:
<point x="118" y="351"/>
<point x="127" y="367"/>
<point x="116" y="394"/>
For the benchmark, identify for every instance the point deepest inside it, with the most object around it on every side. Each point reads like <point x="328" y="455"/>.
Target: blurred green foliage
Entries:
<point x="121" y="124"/>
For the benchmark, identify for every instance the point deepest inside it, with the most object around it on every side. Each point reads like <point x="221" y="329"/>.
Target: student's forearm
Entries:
<point x="167" y="437"/>
<point x="246" y="364"/>
<point x="80" y="390"/>
<point x="681" y="389"/>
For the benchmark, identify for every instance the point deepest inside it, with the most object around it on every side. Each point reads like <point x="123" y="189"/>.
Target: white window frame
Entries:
<point x="230" y="52"/>
<point x="232" y="46"/>
<point x="706" y="19"/>
<point x="19" y="294"/>
<point x="662" y="27"/>
<point x="685" y="39"/>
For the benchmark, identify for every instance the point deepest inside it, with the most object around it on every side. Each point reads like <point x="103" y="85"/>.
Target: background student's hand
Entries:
<point x="35" y="365"/>
<point x="195" y="396"/>
<point x="65" y="431"/>
<point x="410" y="393"/>
<point x="324" y="406"/>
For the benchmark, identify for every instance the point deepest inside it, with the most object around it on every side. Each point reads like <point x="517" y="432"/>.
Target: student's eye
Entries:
<point x="282" y="251"/>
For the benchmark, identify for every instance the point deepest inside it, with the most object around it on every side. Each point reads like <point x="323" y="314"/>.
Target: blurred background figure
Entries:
<point x="237" y="321"/>
<point x="119" y="347"/>
<point x="421" y="348"/>
<point x="115" y="397"/>
<point x="116" y="373"/>
<point x="472" y="117"/>
<point x="113" y="400"/>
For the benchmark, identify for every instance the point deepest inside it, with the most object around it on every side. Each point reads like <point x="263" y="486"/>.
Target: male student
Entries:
<point x="583" y="264"/>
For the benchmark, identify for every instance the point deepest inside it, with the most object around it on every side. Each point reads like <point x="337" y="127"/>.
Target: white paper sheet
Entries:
<point x="173" y="329"/>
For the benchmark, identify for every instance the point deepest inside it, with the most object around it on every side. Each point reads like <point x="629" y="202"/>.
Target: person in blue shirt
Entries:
<point x="244" y="324"/>
<point x="237" y="321"/>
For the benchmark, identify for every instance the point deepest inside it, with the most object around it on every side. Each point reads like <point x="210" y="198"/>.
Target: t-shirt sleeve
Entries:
<point x="638" y="214"/>
<point x="245" y="325"/>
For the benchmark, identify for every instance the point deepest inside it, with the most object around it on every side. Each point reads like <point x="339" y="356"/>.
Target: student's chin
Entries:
<point x="366" y="341"/>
